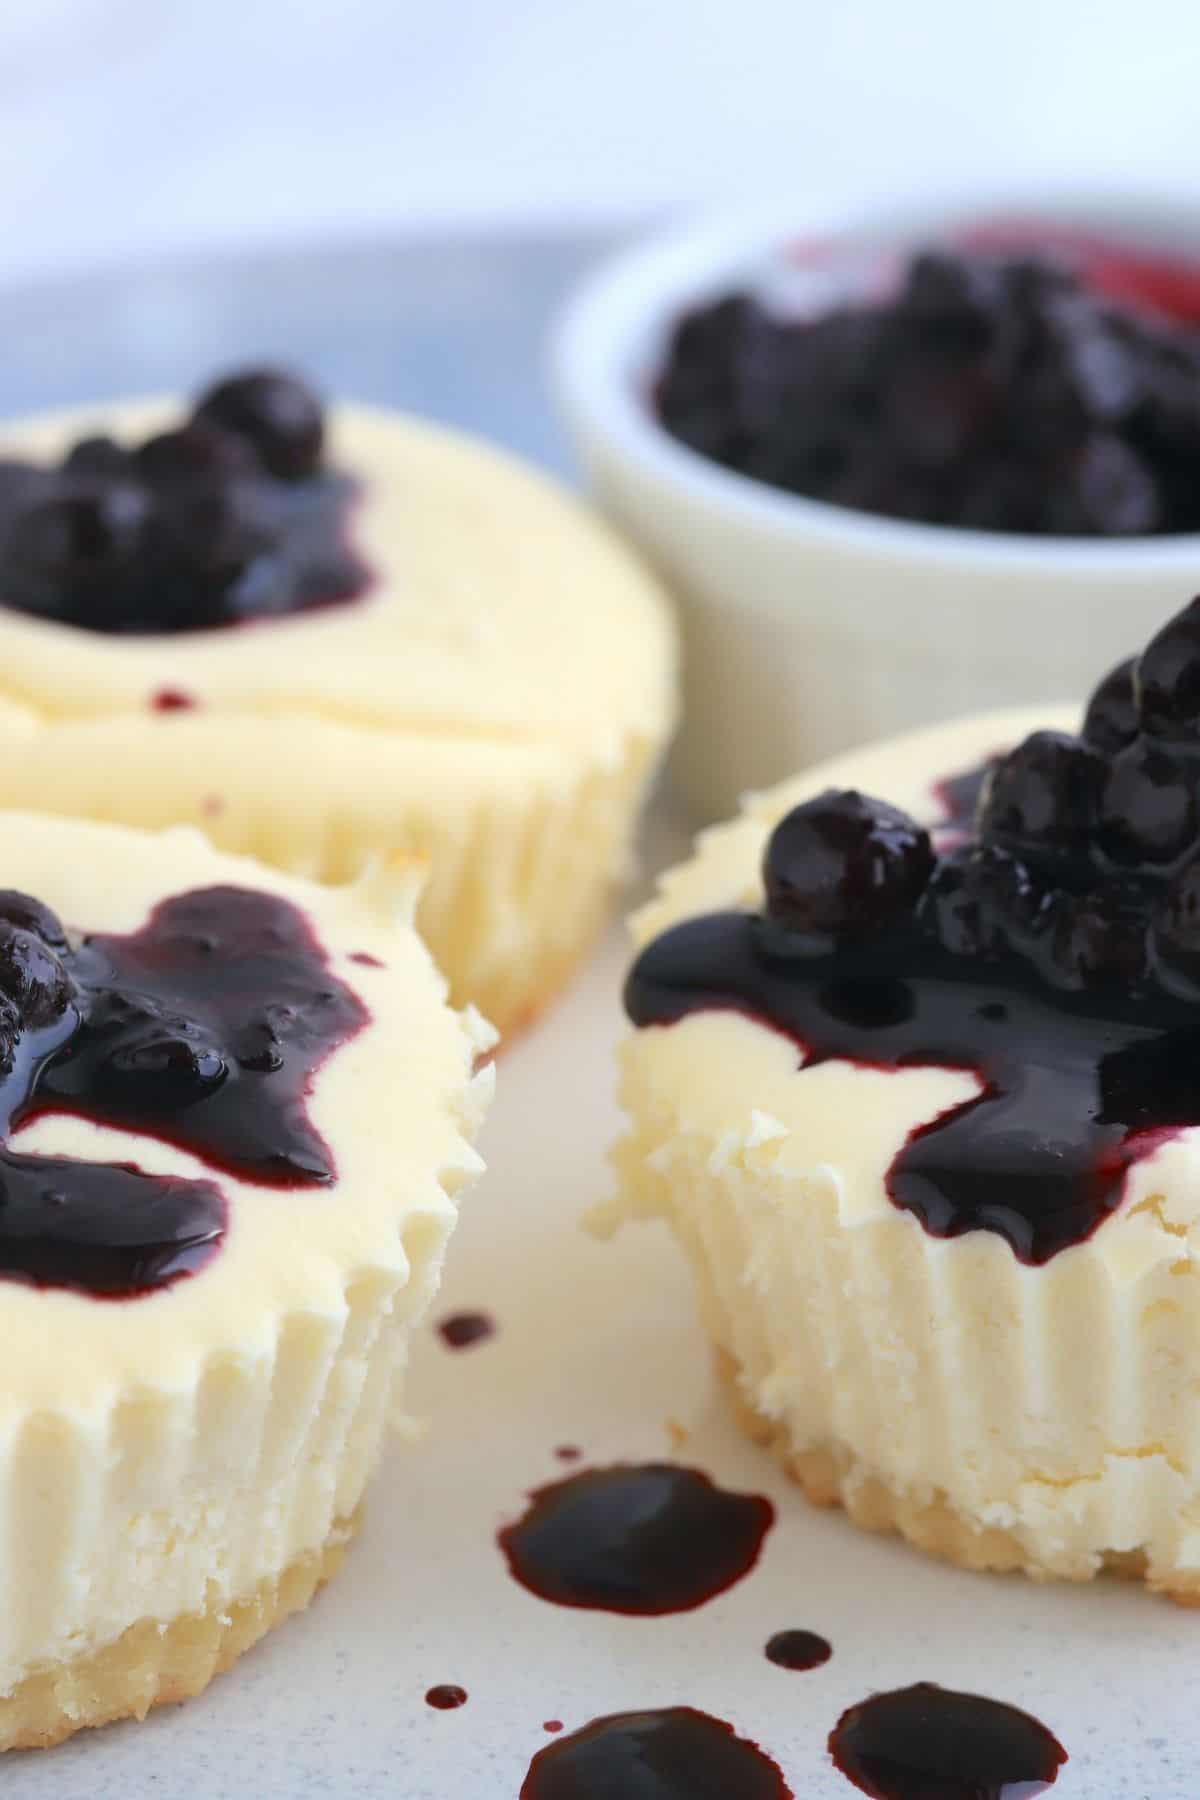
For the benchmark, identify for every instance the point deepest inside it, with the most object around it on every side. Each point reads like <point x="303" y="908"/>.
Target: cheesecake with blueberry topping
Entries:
<point x="325" y="639"/>
<point x="920" y="1096"/>
<point x="235" y="1113"/>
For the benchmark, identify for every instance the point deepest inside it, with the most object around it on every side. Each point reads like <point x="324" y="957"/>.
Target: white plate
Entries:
<point x="598" y="1346"/>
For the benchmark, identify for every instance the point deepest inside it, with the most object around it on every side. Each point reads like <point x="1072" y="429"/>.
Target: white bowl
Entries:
<point x="809" y="627"/>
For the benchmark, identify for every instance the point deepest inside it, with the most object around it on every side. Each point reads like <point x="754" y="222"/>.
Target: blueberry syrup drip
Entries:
<point x="798" y="1650"/>
<point x="672" y="1754"/>
<point x="1054" y="956"/>
<point x="1014" y="388"/>
<point x="447" y="1696"/>
<point x="1069" y="1097"/>
<point x="462" y="1330"/>
<point x="647" y="1538"/>
<point x="228" y="517"/>
<point x="931" y="1743"/>
<point x="203" y="1029"/>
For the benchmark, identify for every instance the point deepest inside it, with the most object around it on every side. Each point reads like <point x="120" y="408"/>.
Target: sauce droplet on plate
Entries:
<point x="798" y="1650"/>
<point x="446" y="1696"/>
<point x="460" y="1330"/>
<point x="639" y="1538"/>
<point x="931" y="1743"/>
<point x="673" y="1754"/>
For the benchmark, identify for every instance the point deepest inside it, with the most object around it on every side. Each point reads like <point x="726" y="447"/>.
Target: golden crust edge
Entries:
<point x="160" y="1664"/>
<point x="831" y="1475"/>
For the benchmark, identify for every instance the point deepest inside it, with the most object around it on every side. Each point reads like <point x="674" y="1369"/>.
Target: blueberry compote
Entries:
<point x="641" y="1538"/>
<point x="229" y="516"/>
<point x="1030" y="393"/>
<point x="672" y="1754"/>
<point x="1055" y="955"/>
<point x="204" y="1029"/>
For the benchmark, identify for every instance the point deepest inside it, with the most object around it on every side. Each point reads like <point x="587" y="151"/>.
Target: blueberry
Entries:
<point x="1100" y="939"/>
<point x="1167" y="678"/>
<point x="1148" y="806"/>
<point x="1016" y="907"/>
<point x="1042" y="796"/>
<point x="1113" y="490"/>
<point x="951" y="909"/>
<point x="195" y="452"/>
<point x="98" y="456"/>
<point x="212" y="558"/>
<point x="82" y="537"/>
<point x="1175" y="934"/>
<point x="275" y="412"/>
<point x="1111" y="720"/>
<point x="31" y="915"/>
<point x="32" y="977"/>
<point x="842" y="865"/>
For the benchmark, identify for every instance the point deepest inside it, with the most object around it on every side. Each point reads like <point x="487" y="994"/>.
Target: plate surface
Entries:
<point x="597" y="1345"/>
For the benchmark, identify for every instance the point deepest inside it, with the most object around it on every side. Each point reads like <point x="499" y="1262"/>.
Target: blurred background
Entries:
<point x="132" y="129"/>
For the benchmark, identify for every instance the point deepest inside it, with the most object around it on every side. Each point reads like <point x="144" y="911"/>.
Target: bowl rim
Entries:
<point x="639" y="289"/>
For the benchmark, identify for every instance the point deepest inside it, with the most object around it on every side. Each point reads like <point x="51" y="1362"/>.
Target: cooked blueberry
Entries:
<point x="259" y="1047"/>
<point x="195" y="452"/>
<point x="32" y="915"/>
<point x="213" y="557"/>
<point x="1111" y="720"/>
<point x="999" y="393"/>
<point x="842" y="865"/>
<point x="81" y="538"/>
<point x="1176" y="930"/>
<point x="1100" y="939"/>
<point x="1113" y="490"/>
<point x="1042" y="796"/>
<point x="275" y="412"/>
<point x="32" y="977"/>
<point x="1016" y="905"/>
<point x="99" y="456"/>
<point x="951" y="911"/>
<point x="1148" y="806"/>
<point x="1167" y="678"/>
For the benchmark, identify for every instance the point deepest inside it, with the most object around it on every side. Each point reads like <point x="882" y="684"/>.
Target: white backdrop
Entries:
<point x="140" y="126"/>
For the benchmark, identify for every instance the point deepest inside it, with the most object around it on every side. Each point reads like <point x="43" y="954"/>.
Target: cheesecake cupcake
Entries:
<point x="915" y="1082"/>
<point x="237" y="1111"/>
<point x="321" y="640"/>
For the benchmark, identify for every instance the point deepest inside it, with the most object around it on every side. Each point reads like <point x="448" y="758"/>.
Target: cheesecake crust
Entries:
<point x="159" y="1664"/>
<point x="831" y="1475"/>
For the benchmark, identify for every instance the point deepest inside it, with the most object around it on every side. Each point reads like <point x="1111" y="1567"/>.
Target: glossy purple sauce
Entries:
<point x="931" y="1743"/>
<point x="203" y="1029"/>
<point x="672" y="1754"/>
<point x="644" y="1538"/>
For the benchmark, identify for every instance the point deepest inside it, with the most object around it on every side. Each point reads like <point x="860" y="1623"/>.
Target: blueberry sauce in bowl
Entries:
<point x="229" y="516"/>
<point x="1054" y="953"/>
<point x="1029" y="390"/>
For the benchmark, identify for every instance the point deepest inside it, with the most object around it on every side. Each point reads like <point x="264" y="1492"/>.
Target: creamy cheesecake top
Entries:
<point x="228" y="1095"/>
<point x="468" y="596"/>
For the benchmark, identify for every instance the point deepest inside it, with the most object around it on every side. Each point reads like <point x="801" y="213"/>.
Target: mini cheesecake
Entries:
<point x="918" y="1089"/>
<point x="237" y="1113"/>
<point x="322" y="641"/>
